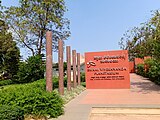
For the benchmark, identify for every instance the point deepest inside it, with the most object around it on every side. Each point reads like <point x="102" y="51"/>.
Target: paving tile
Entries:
<point x="143" y="94"/>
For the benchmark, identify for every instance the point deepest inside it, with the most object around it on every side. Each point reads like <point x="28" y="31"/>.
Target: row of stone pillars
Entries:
<point x="75" y="63"/>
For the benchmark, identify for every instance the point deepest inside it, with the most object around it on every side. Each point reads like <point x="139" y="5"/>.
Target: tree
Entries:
<point x="144" y="40"/>
<point x="9" y="52"/>
<point x="155" y="24"/>
<point x="30" y="70"/>
<point x="32" y="18"/>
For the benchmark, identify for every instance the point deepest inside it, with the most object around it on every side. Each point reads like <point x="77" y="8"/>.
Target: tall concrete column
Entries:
<point x="68" y="55"/>
<point x="78" y="69"/>
<point x="60" y="63"/>
<point x="49" y="84"/>
<point x="74" y="68"/>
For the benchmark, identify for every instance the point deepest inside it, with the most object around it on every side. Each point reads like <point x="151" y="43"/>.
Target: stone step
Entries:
<point x="125" y="114"/>
<point x="141" y="111"/>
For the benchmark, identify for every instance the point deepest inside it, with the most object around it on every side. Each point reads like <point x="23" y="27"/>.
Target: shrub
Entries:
<point x="31" y="70"/>
<point x="154" y="71"/>
<point x="5" y="82"/>
<point x="83" y="79"/>
<point x="151" y="69"/>
<point x="149" y="62"/>
<point x="140" y="69"/>
<point x="33" y="99"/>
<point x="83" y="84"/>
<point x="56" y="82"/>
<point x="11" y="113"/>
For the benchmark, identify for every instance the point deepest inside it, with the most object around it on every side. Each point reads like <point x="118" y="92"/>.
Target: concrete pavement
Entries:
<point x="143" y="94"/>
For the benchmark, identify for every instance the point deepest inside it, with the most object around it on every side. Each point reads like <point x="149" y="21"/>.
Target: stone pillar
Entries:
<point x="68" y="55"/>
<point x="49" y="84"/>
<point x="74" y="68"/>
<point x="78" y="69"/>
<point x="60" y="64"/>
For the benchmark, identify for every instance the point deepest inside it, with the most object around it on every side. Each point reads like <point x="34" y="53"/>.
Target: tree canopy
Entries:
<point x="9" y="52"/>
<point x="144" y="40"/>
<point x="32" y="18"/>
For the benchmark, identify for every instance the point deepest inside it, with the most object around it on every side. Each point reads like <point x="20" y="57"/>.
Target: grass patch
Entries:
<point x="69" y="95"/>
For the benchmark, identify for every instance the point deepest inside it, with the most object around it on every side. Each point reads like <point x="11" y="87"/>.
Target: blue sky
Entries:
<point x="98" y="25"/>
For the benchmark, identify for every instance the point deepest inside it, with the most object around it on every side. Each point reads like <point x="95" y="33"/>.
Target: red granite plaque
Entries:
<point x="107" y="70"/>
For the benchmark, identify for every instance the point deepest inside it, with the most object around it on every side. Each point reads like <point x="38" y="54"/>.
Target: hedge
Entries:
<point x="33" y="99"/>
<point x="11" y="113"/>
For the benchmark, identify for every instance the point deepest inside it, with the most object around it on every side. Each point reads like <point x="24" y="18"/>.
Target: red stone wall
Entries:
<point x="131" y="67"/>
<point x="147" y="57"/>
<point x="138" y="61"/>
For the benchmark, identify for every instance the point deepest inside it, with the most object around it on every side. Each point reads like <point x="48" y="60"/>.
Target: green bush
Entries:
<point x="11" y="113"/>
<point x="6" y="82"/>
<point x="154" y="71"/>
<point x="147" y="65"/>
<point x="31" y="70"/>
<point x="83" y="79"/>
<point x="149" y="62"/>
<point x="140" y="69"/>
<point x="56" y="82"/>
<point x="83" y="84"/>
<point x="33" y="99"/>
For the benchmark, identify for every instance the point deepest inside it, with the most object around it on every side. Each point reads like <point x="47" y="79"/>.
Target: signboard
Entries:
<point x="107" y="70"/>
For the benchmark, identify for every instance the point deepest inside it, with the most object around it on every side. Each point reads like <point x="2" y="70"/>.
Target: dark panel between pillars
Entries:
<point x="60" y="63"/>
<point x="49" y="84"/>
<point x="78" y="69"/>
<point x="74" y="68"/>
<point x="68" y="55"/>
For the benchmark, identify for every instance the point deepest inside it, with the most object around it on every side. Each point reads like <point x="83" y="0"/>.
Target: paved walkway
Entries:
<point x="143" y="94"/>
